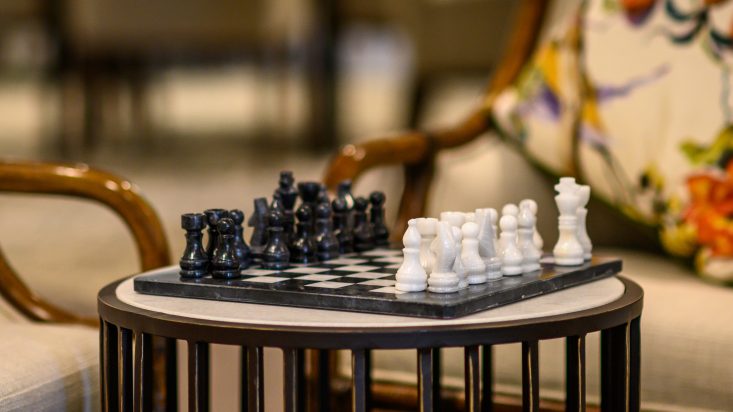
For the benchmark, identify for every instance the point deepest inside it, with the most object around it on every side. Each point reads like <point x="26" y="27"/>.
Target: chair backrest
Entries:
<point x="80" y="181"/>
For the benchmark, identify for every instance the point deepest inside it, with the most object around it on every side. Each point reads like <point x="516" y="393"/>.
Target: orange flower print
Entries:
<point x="711" y="204"/>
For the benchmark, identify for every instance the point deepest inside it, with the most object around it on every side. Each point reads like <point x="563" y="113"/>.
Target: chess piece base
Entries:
<point x="225" y="274"/>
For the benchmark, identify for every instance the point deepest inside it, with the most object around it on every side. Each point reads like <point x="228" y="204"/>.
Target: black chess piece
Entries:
<point x="381" y="233"/>
<point x="363" y="235"/>
<point x="194" y="261"/>
<point x="343" y="191"/>
<point x="224" y="264"/>
<point x="341" y="228"/>
<point x="327" y="245"/>
<point x="323" y="194"/>
<point x="240" y="246"/>
<point x="288" y="196"/>
<point x="303" y="247"/>
<point x="276" y="254"/>
<point x="212" y="217"/>
<point x="258" y="221"/>
<point x="308" y="192"/>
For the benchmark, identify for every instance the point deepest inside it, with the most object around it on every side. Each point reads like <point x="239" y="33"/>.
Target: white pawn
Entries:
<point x="486" y="244"/>
<point x="470" y="217"/>
<point x="532" y="205"/>
<point x="427" y="227"/>
<point x="456" y="219"/>
<point x="494" y="218"/>
<point x="582" y="213"/>
<point x="568" y="251"/>
<point x="473" y="265"/>
<point x="458" y="263"/>
<point x="510" y="209"/>
<point x="442" y="279"/>
<point x="411" y="276"/>
<point x="525" y="241"/>
<point x="511" y="256"/>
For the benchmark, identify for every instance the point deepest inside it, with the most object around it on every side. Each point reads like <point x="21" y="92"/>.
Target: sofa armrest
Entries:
<point x="80" y="181"/>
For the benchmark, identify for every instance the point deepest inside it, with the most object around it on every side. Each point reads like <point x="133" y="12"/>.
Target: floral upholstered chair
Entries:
<point x="633" y="98"/>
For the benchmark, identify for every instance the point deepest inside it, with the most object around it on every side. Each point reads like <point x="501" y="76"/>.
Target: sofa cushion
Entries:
<point x="633" y="97"/>
<point x="48" y="367"/>
<point x="686" y="336"/>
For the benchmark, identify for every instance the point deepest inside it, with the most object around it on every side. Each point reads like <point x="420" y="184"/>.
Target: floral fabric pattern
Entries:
<point x="633" y="97"/>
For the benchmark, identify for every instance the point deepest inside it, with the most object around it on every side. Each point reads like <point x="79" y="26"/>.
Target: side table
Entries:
<point x="129" y="320"/>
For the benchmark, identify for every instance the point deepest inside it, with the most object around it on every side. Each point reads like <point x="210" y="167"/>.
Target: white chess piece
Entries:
<point x="525" y="241"/>
<point x="532" y="205"/>
<point x="511" y="256"/>
<point x="494" y="218"/>
<point x="486" y="244"/>
<point x="442" y="279"/>
<point x="456" y="219"/>
<point x="470" y="217"/>
<point x="473" y="265"/>
<point x="427" y="227"/>
<point x="510" y="209"/>
<point x="582" y="213"/>
<point x="458" y="263"/>
<point x="568" y="251"/>
<point x="411" y="276"/>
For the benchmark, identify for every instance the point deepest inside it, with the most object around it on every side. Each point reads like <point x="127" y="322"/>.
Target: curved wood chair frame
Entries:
<point x="80" y="181"/>
<point x="416" y="150"/>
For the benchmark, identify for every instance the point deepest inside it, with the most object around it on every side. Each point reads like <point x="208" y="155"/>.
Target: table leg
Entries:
<point x="291" y="375"/>
<point x="324" y="380"/>
<point x="198" y="376"/>
<point x="635" y="365"/>
<point x="171" y="375"/>
<point x="125" y="369"/>
<point x="359" y="381"/>
<point x="575" y="373"/>
<point x="425" y="378"/>
<point x="110" y="399"/>
<point x="472" y="375"/>
<point x="530" y="377"/>
<point x="143" y="370"/>
<point x="615" y="368"/>
<point x="253" y="384"/>
<point x="487" y="378"/>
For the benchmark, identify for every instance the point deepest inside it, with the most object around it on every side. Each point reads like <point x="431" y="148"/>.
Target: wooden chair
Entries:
<point x="84" y="182"/>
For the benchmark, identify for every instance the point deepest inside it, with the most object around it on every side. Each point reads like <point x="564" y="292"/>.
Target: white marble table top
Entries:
<point x="570" y="300"/>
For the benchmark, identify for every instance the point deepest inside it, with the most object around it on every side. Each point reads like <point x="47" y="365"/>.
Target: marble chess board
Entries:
<point x="364" y="282"/>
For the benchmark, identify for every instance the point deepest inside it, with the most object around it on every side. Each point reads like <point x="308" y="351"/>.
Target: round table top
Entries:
<point x="602" y="303"/>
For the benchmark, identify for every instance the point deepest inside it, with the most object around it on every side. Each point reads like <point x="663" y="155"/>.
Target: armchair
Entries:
<point x="49" y="348"/>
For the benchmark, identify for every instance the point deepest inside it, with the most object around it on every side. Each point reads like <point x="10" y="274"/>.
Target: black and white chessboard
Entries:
<point x="365" y="283"/>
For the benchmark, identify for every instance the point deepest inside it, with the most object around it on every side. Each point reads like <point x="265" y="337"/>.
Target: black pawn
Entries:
<point x="308" y="192"/>
<point x="323" y="194"/>
<point x="258" y="222"/>
<point x="288" y="196"/>
<point x="194" y="260"/>
<point x="276" y="254"/>
<point x="225" y="264"/>
<point x="240" y="247"/>
<point x="341" y="226"/>
<point x="363" y="235"/>
<point x="303" y="248"/>
<point x="327" y="246"/>
<point x="212" y="218"/>
<point x="381" y="233"/>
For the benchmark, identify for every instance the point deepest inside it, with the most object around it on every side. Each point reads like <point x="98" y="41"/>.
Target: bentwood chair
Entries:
<point x="46" y="347"/>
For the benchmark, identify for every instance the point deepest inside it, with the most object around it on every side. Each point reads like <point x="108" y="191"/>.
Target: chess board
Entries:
<point x="364" y="282"/>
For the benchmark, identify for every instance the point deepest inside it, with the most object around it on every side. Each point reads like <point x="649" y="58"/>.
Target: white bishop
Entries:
<point x="411" y="276"/>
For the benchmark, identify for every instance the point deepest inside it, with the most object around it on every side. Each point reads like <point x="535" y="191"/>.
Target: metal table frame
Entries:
<point x="127" y="383"/>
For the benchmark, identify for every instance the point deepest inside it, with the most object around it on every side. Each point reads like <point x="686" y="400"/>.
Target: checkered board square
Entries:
<point x="365" y="282"/>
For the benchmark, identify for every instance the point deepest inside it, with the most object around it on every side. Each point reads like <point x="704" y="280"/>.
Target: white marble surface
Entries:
<point x="578" y="298"/>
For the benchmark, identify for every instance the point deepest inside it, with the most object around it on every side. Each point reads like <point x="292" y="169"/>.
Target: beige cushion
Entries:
<point x="687" y="345"/>
<point x="48" y="367"/>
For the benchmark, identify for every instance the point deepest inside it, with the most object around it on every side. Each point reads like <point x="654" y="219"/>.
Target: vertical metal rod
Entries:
<point x="290" y="386"/>
<point x="301" y="380"/>
<point x="437" y="376"/>
<point x="125" y="369"/>
<point x="324" y="380"/>
<point x="615" y="368"/>
<point x="171" y="375"/>
<point x="575" y="373"/>
<point x="368" y="377"/>
<point x="358" y="380"/>
<point x="472" y="375"/>
<point x="244" y="384"/>
<point x="102" y="366"/>
<point x="253" y="384"/>
<point x="530" y="377"/>
<point x="143" y="372"/>
<point x="425" y="378"/>
<point x="198" y="376"/>
<point x="635" y="365"/>
<point x="110" y="374"/>
<point x="487" y="378"/>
